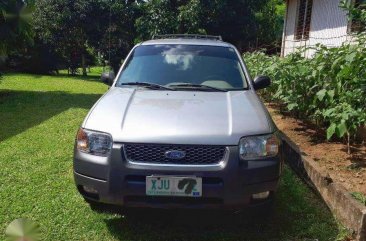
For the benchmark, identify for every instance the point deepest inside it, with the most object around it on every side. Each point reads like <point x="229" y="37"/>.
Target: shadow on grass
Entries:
<point x="298" y="215"/>
<point x="93" y="77"/>
<point x="20" y="110"/>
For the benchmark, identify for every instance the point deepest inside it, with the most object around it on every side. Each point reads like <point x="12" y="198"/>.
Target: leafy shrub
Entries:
<point x="328" y="89"/>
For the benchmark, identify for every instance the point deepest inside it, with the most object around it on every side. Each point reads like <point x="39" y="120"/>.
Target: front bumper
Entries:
<point x="229" y="185"/>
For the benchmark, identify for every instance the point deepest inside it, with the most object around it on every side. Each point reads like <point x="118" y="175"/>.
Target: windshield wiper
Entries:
<point x="148" y="85"/>
<point x="197" y="86"/>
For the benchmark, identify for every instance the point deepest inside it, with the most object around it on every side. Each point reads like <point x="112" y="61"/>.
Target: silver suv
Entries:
<point x="181" y="126"/>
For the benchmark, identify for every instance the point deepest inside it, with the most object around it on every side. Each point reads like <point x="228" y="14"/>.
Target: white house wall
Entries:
<point x="328" y="26"/>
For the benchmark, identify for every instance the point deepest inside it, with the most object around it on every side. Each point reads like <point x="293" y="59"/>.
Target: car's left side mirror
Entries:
<point x="108" y="77"/>
<point x="261" y="82"/>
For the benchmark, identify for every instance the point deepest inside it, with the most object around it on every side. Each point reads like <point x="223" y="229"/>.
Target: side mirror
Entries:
<point x="261" y="82"/>
<point x="108" y="77"/>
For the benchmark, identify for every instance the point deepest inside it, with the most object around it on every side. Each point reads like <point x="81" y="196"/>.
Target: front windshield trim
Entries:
<point x="241" y="65"/>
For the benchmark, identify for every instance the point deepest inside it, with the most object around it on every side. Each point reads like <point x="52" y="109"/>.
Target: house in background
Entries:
<point x="309" y="22"/>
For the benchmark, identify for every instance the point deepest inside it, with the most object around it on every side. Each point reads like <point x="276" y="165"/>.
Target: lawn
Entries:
<point x="39" y="117"/>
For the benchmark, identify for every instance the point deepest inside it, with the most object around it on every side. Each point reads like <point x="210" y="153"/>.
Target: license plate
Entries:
<point x="173" y="186"/>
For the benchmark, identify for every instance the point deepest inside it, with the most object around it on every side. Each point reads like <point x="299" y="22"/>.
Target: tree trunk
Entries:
<point x="83" y="64"/>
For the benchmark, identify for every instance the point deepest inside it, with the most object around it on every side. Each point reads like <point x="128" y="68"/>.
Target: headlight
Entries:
<point x="253" y="147"/>
<point x="96" y="143"/>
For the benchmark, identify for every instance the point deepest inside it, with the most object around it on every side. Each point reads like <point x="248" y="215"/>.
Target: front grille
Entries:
<point x="155" y="153"/>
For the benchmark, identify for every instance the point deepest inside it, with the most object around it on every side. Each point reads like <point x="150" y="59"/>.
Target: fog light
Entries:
<point x="90" y="190"/>
<point x="261" y="195"/>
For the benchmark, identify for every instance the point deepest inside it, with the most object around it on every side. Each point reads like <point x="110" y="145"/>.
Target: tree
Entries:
<point x="356" y="12"/>
<point x="111" y="27"/>
<point x="269" y="25"/>
<point x="73" y="27"/>
<point x="15" y="24"/>
<point x="64" y="25"/>
<point x="117" y="34"/>
<point x="235" y="20"/>
<point x="158" y="17"/>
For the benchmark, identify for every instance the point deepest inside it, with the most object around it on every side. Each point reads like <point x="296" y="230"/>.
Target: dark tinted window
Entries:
<point x="172" y="64"/>
<point x="303" y="19"/>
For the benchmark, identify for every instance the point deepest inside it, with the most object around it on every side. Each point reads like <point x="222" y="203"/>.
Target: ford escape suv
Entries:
<point x="180" y="127"/>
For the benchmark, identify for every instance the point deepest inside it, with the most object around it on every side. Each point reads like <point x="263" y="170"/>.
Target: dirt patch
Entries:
<point x="332" y="157"/>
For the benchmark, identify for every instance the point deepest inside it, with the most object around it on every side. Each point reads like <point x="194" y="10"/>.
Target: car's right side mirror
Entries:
<point x="261" y="82"/>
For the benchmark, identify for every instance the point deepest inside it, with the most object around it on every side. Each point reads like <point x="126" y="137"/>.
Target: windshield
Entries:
<point x="174" y="65"/>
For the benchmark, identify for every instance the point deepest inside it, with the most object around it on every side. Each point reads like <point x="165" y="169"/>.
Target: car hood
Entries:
<point x="140" y="115"/>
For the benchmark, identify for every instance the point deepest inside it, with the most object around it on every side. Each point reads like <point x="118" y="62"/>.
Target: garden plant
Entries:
<point x="327" y="89"/>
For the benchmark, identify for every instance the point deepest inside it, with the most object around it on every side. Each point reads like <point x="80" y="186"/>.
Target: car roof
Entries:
<point x="187" y="41"/>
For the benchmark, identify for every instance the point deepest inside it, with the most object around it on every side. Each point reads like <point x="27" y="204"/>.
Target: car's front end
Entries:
<point x="228" y="181"/>
<point x="179" y="145"/>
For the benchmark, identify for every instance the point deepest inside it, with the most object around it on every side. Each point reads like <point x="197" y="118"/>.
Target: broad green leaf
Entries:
<point x="350" y="57"/>
<point x="320" y="67"/>
<point x="321" y="94"/>
<point x="345" y="116"/>
<point x="330" y="93"/>
<point x="336" y="62"/>
<point x="328" y="112"/>
<point x="331" y="130"/>
<point x="341" y="129"/>
<point x="345" y="71"/>
<point x="292" y="106"/>
<point x="314" y="73"/>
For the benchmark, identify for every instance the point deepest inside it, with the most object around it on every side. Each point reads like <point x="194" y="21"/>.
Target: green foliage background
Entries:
<point x="70" y="33"/>
<point x="15" y="24"/>
<point x="327" y="89"/>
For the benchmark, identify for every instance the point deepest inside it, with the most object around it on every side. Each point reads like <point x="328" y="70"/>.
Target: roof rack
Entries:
<point x="187" y="36"/>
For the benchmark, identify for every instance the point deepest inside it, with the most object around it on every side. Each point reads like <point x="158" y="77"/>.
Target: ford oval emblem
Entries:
<point x="174" y="154"/>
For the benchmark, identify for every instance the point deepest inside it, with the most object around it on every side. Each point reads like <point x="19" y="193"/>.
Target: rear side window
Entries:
<point x="172" y="64"/>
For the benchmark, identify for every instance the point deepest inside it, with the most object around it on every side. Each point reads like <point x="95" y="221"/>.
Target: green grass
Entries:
<point x="359" y="197"/>
<point x="39" y="117"/>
